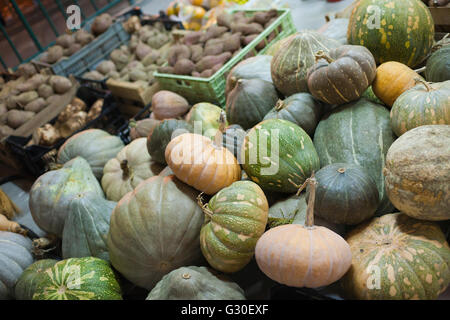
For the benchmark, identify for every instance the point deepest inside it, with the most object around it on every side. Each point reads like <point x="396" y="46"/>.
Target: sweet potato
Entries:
<point x="101" y="23"/>
<point x="213" y="32"/>
<point x="264" y="16"/>
<point x="65" y="40"/>
<point x="216" y="67"/>
<point x="17" y="118"/>
<point x="36" y="105"/>
<point x="232" y="43"/>
<point x="196" y="74"/>
<point x="177" y="52"/>
<point x="208" y="62"/>
<point x="245" y="40"/>
<point x="213" y="50"/>
<point x="196" y="53"/>
<point x="166" y="69"/>
<point x="246" y="29"/>
<point x="225" y="19"/>
<point x="268" y="23"/>
<point x="60" y="84"/>
<point x="184" y="66"/>
<point x="206" y="73"/>
<point x="192" y="38"/>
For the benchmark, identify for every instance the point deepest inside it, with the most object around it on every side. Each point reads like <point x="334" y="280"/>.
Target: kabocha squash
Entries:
<point x="205" y="119"/>
<point x="160" y="137"/>
<point x="438" y="65"/>
<point x="155" y="229"/>
<point x="421" y="105"/>
<point x="393" y="30"/>
<point x="25" y="287"/>
<point x="233" y="137"/>
<point x="396" y="257"/>
<point x="369" y="95"/>
<point x="131" y="166"/>
<point x="279" y="155"/>
<point x="235" y="218"/>
<point x="168" y="105"/>
<point x="86" y="278"/>
<point x="391" y="80"/>
<point x="300" y="108"/>
<point x="295" y="56"/>
<point x="360" y="133"/>
<point x="342" y="75"/>
<point x="303" y="256"/>
<point x="346" y="194"/>
<point x="195" y="283"/>
<point x="250" y="101"/>
<point x="418" y="172"/>
<point x="52" y="192"/>
<point x="15" y="257"/>
<point x="94" y="145"/>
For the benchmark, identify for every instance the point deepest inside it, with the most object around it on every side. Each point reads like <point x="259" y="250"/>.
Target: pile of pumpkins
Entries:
<point x="329" y="163"/>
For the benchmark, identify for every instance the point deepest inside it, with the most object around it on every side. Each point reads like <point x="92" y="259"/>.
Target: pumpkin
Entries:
<point x="168" y="105"/>
<point x="205" y="119"/>
<point x="393" y="30"/>
<point x="233" y="137"/>
<point x="300" y="108"/>
<point x="396" y="257"/>
<point x="275" y="47"/>
<point x="155" y="229"/>
<point x="303" y="256"/>
<point x="342" y="75"/>
<point x="295" y="56"/>
<point x="195" y="283"/>
<point x="421" y="105"/>
<point x="369" y="95"/>
<point x="346" y="194"/>
<point x="336" y="29"/>
<point x="28" y="281"/>
<point x="142" y="128"/>
<point x="279" y="155"/>
<point x="85" y="278"/>
<point x="160" y="137"/>
<point x="438" y="65"/>
<point x="235" y="218"/>
<point x="250" y="101"/>
<point x="94" y="145"/>
<point x="418" y="172"/>
<point x="15" y="257"/>
<point x="360" y="133"/>
<point x="52" y="192"/>
<point x="131" y="166"/>
<point x="391" y="80"/>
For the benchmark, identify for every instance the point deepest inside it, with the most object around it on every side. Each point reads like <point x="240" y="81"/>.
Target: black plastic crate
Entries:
<point x="124" y="130"/>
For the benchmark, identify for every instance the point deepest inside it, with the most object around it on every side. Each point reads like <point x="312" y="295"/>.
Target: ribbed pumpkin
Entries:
<point x="15" y="257"/>
<point x="369" y="95"/>
<point x="235" y="219"/>
<point x="336" y="29"/>
<point x="303" y="256"/>
<point x="393" y="30"/>
<point x="396" y="257"/>
<point x="250" y="101"/>
<point x="195" y="283"/>
<point x="275" y="47"/>
<point x="78" y="279"/>
<point x="51" y="193"/>
<point x="168" y="105"/>
<point x="155" y="229"/>
<point x="205" y="118"/>
<point x="26" y="286"/>
<point x="342" y="75"/>
<point x="279" y="155"/>
<point x="96" y="146"/>
<point x="360" y="133"/>
<point x="233" y="137"/>
<point x="418" y="172"/>
<point x="438" y="65"/>
<point x="346" y="194"/>
<point x="141" y="128"/>
<point x="295" y="56"/>
<point x="131" y="166"/>
<point x="160" y="137"/>
<point x="421" y="105"/>
<point x="300" y="108"/>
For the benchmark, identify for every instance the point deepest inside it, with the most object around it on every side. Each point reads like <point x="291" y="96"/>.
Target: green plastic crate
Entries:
<point x="212" y="89"/>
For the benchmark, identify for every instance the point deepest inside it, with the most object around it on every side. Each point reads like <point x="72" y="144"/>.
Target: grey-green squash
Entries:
<point x="232" y="139"/>
<point x="205" y="119"/>
<point x="438" y="65"/>
<point x="30" y="278"/>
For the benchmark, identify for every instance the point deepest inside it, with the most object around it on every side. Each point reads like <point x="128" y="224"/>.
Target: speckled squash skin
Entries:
<point x="236" y="219"/>
<point x="28" y="281"/>
<point x="86" y="278"/>
<point x="438" y="65"/>
<point x="423" y="104"/>
<point x="405" y="32"/>
<point x="417" y="173"/>
<point x="195" y="283"/>
<point x="411" y="257"/>
<point x="204" y="118"/>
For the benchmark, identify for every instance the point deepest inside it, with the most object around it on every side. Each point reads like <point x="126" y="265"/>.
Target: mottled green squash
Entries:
<point x="438" y="65"/>
<point x="205" y="119"/>
<point x="26" y="285"/>
<point x="232" y="139"/>
<point x="369" y="95"/>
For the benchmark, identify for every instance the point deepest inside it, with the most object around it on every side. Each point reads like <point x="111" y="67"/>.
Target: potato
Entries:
<point x="25" y="86"/>
<point x="158" y="41"/>
<point x="83" y="37"/>
<point x="45" y="90"/>
<point x="54" y="54"/>
<point x="26" y="70"/>
<point x="11" y="102"/>
<point x="184" y="66"/>
<point x="5" y="131"/>
<point x="73" y="48"/>
<point x="93" y="75"/>
<point x="65" y="40"/>
<point x="36" y="105"/>
<point x="137" y="74"/>
<point x="17" y="118"/>
<point x="26" y="97"/>
<point x="60" y="84"/>
<point x="3" y="108"/>
<point x="142" y="50"/>
<point x="151" y="58"/>
<point x="113" y="75"/>
<point x="119" y="58"/>
<point x="101" y="23"/>
<point x="106" y="67"/>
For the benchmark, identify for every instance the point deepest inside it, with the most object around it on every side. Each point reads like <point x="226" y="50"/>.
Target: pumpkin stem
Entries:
<point x="125" y="168"/>
<point x="421" y="81"/>
<point x="341" y="170"/>
<point x="322" y="55"/>
<point x="132" y="123"/>
<point x="312" y="197"/>
<point x="204" y="207"/>
<point x="279" y="105"/>
<point x="420" y="70"/>
<point x="218" y="138"/>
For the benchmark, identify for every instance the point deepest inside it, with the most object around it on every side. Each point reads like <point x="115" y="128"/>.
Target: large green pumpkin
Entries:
<point x="205" y="119"/>
<point x="235" y="218"/>
<point x="232" y="139"/>
<point x="395" y="257"/>
<point x="78" y="279"/>
<point x="154" y="230"/>
<point x="26" y="285"/>
<point x="393" y="30"/>
<point x="438" y="65"/>
<point x="279" y="155"/>
<point x="358" y="132"/>
<point x="295" y="56"/>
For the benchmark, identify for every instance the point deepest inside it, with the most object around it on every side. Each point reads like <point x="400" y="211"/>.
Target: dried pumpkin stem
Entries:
<point x="322" y="55"/>
<point x="204" y="207"/>
<point x="125" y="169"/>
<point x="420" y="70"/>
<point x="312" y="197"/>
<point x="421" y="81"/>
<point x="218" y="138"/>
<point x="279" y="105"/>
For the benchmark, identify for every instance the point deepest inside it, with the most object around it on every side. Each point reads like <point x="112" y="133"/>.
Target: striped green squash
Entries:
<point x="395" y="257"/>
<point x="279" y="155"/>
<point x="235" y="218"/>
<point x="86" y="278"/>
<point x="438" y="65"/>
<point x="30" y="278"/>
<point x="393" y="30"/>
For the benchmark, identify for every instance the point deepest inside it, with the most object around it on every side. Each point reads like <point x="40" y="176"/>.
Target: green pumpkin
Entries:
<point x="360" y="133"/>
<point x="279" y="155"/>
<point x="205" y="118"/>
<point x="232" y="139"/>
<point x="195" y="283"/>
<point x="159" y="138"/>
<point x="345" y="194"/>
<point x="396" y="257"/>
<point x="86" y="278"/>
<point x="369" y="95"/>
<point x="421" y="105"/>
<point x="301" y="109"/>
<point x="405" y="32"/>
<point x="235" y="218"/>
<point x="26" y="285"/>
<point x="438" y="65"/>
